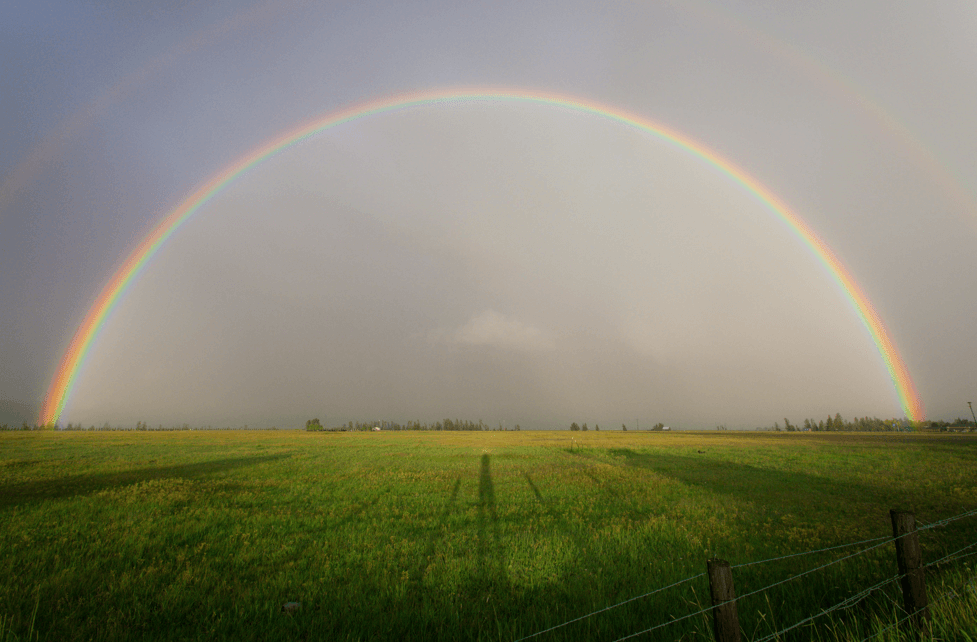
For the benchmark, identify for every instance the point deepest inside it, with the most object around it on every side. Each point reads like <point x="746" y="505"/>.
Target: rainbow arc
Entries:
<point x="71" y="363"/>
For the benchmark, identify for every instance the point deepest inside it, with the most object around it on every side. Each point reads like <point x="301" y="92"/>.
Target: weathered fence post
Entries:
<point x="725" y="619"/>
<point x="910" y="560"/>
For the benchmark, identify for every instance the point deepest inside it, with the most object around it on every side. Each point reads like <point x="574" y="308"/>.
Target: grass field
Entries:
<point x="464" y="536"/>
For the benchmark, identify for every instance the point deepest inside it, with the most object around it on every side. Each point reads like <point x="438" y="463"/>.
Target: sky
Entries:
<point x="514" y="262"/>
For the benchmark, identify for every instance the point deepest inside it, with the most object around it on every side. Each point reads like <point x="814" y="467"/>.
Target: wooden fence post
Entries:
<point x="910" y="561"/>
<point x="725" y="619"/>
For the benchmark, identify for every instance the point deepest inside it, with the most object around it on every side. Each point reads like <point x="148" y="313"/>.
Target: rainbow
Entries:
<point x="70" y="365"/>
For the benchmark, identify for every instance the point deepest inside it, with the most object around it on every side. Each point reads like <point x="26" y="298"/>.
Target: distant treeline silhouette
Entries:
<point x="868" y="424"/>
<point x="831" y="424"/>
<point x="447" y="424"/>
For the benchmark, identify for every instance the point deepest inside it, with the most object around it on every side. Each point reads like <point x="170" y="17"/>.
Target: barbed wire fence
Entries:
<point x="943" y="596"/>
<point x="847" y="603"/>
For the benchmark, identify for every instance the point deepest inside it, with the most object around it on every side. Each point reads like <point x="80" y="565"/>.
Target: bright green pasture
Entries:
<point x="460" y="536"/>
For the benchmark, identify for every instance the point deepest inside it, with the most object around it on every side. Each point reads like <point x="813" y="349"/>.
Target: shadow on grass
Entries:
<point x="78" y="485"/>
<point x="861" y="508"/>
<point x="489" y="540"/>
<point x="750" y="482"/>
<point x="441" y="530"/>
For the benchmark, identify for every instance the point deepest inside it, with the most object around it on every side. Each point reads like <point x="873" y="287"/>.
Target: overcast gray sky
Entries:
<point x="496" y="261"/>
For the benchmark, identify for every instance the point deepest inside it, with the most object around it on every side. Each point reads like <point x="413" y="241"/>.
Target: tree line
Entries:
<point x="314" y="425"/>
<point x="869" y="424"/>
<point x="830" y="424"/>
<point x="583" y="428"/>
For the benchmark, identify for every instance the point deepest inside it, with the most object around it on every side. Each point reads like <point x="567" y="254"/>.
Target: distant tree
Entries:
<point x="313" y="425"/>
<point x="776" y="426"/>
<point x="584" y="427"/>
<point x="624" y="428"/>
<point x="574" y="427"/>
<point x="789" y="427"/>
<point x="517" y="427"/>
<point x="658" y="427"/>
<point x="839" y="422"/>
<point x="597" y="427"/>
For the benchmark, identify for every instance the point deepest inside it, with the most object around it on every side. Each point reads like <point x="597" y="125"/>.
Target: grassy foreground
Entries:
<point x="465" y="536"/>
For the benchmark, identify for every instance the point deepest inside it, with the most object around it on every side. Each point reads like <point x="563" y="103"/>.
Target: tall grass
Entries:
<point x="953" y="605"/>
<point x="471" y="536"/>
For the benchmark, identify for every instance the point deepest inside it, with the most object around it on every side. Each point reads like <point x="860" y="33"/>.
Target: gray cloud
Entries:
<point x="494" y="330"/>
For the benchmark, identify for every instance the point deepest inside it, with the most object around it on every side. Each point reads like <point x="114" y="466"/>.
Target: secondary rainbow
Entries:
<point x="73" y="359"/>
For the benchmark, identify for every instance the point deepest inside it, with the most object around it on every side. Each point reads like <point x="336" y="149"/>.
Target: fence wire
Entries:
<point x="613" y="606"/>
<point x="858" y="597"/>
<point x="942" y="596"/>
<point x="953" y="556"/>
<point x="761" y="590"/>
<point x="846" y="603"/>
<point x="820" y="550"/>
<point x="884" y="541"/>
<point x="944" y="522"/>
<point x="815" y="569"/>
<point x="664" y="624"/>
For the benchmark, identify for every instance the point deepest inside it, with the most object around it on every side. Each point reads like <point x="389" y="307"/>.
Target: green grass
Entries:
<point x="463" y="536"/>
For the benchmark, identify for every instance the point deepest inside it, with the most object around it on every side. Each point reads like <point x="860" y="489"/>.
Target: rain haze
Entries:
<point x="505" y="260"/>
